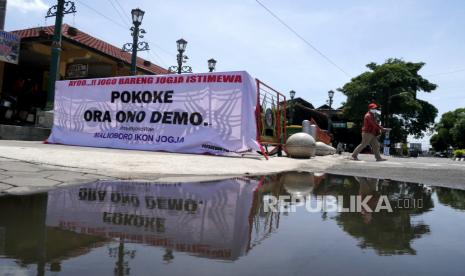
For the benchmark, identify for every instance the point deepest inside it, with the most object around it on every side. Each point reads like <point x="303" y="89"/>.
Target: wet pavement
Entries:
<point x="282" y="224"/>
<point x="28" y="167"/>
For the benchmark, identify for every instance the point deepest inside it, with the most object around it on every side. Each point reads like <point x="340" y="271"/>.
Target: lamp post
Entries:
<point x="136" y="32"/>
<point x="330" y="95"/>
<point x="181" y="58"/>
<point x="291" y="113"/>
<point x="211" y="64"/>
<point x="2" y="14"/>
<point x="59" y="10"/>
<point x="119" y="252"/>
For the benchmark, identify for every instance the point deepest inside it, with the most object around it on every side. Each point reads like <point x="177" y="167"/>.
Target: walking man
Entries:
<point x="371" y="129"/>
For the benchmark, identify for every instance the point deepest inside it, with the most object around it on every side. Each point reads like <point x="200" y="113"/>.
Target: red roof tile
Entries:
<point x="91" y="42"/>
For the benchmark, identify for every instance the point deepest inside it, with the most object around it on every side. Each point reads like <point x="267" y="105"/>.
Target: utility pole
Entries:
<point x="59" y="10"/>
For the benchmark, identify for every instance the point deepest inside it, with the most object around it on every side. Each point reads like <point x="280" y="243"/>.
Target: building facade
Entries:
<point x="23" y="86"/>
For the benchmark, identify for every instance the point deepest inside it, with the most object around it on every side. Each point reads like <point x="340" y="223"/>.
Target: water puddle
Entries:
<point x="284" y="224"/>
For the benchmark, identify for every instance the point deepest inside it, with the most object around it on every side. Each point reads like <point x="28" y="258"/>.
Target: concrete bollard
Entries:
<point x="298" y="184"/>
<point x="300" y="145"/>
<point x="323" y="149"/>
<point x="306" y="127"/>
<point x="313" y="131"/>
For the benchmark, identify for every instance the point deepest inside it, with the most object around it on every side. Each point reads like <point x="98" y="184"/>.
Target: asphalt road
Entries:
<point x="426" y="170"/>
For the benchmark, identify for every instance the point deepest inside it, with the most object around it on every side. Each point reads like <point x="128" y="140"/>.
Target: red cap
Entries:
<point x="372" y="106"/>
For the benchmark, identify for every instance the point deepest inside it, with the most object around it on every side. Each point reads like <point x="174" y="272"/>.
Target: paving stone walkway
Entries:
<point x="19" y="177"/>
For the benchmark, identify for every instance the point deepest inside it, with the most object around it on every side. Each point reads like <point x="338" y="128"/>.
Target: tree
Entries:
<point x="394" y="86"/>
<point x="450" y="131"/>
<point x="458" y="133"/>
<point x="439" y="141"/>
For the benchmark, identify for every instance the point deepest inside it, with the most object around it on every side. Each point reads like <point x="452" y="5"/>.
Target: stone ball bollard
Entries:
<point x="300" y="145"/>
<point x="322" y="149"/>
<point x="298" y="183"/>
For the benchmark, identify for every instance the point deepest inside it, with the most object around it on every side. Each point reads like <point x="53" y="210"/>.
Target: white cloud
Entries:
<point x="28" y="5"/>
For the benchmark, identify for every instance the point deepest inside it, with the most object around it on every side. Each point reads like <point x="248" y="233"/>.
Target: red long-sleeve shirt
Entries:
<point x="370" y="125"/>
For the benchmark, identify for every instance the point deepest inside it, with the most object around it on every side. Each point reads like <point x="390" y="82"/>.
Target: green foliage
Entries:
<point x="459" y="153"/>
<point x="438" y="142"/>
<point x="451" y="197"/>
<point x="394" y="86"/>
<point x="450" y="131"/>
<point x="458" y="133"/>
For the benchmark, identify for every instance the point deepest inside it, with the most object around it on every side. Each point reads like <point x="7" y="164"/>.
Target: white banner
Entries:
<point x="192" y="113"/>
<point x="209" y="219"/>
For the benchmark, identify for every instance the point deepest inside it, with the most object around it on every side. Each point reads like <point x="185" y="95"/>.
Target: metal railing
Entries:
<point x="271" y="118"/>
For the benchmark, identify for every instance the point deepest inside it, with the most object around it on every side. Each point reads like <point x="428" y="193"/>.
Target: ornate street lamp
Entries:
<point x="330" y="95"/>
<point x="136" y="32"/>
<point x="292" y="94"/>
<point x="291" y="113"/>
<point x="181" y="58"/>
<point x="137" y="16"/>
<point x="181" y="44"/>
<point x="211" y="65"/>
<point x="59" y="10"/>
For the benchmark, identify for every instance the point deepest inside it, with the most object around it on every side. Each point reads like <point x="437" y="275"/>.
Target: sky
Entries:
<point x="343" y="36"/>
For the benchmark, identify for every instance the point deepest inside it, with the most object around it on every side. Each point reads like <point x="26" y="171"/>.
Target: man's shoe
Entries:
<point x="354" y="158"/>
<point x="382" y="159"/>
